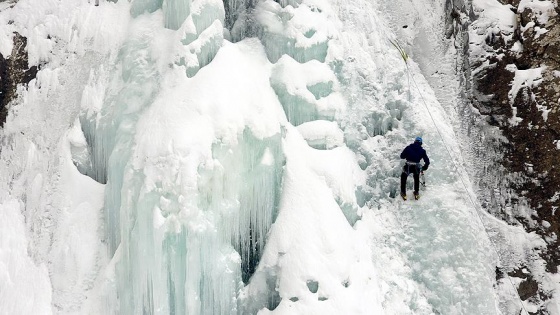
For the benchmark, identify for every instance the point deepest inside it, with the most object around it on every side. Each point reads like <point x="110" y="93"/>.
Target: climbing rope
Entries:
<point x="405" y="58"/>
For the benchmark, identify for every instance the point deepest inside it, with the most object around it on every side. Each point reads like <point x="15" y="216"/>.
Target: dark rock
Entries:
<point x="14" y="70"/>
<point x="499" y="273"/>
<point x="528" y="287"/>
<point x="532" y="140"/>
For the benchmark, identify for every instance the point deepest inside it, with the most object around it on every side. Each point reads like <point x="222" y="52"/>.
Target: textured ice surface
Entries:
<point x="145" y="6"/>
<point x="322" y="134"/>
<point x="301" y="32"/>
<point x="432" y="241"/>
<point x="176" y="12"/>
<point x="18" y="272"/>
<point x="211" y="187"/>
<point x="202" y="35"/>
<point x="307" y="91"/>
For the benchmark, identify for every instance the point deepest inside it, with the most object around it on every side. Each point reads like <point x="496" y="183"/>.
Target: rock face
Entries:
<point x="14" y="70"/>
<point x="516" y="87"/>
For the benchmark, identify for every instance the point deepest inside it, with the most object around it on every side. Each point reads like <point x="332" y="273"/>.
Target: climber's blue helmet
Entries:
<point x="418" y="140"/>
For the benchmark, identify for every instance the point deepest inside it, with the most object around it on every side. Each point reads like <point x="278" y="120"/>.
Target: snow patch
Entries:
<point x="322" y="134"/>
<point x="312" y="243"/>
<point x="542" y="9"/>
<point x="524" y="78"/>
<point x="498" y="18"/>
<point x="529" y="78"/>
<point x="25" y="288"/>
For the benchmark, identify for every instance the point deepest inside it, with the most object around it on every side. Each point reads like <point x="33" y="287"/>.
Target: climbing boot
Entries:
<point x="403" y="195"/>
<point x="416" y="196"/>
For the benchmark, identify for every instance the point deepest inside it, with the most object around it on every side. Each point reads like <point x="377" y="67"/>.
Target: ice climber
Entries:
<point x="413" y="153"/>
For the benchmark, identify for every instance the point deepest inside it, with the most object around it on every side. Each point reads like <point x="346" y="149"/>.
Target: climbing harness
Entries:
<point x="417" y="165"/>
<point x="405" y="59"/>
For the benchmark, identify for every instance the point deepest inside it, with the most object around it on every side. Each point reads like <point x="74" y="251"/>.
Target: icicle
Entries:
<point x="309" y="95"/>
<point x="283" y="34"/>
<point x="248" y="187"/>
<point x="233" y="8"/>
<point x="110" y="134"/>
<point x="141" y="6"/>
<point x="206" y="12"/>
<point x="203" y="35"/>
<point x="176" y="12"/>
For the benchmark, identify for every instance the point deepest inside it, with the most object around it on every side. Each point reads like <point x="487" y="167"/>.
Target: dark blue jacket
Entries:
<point x="414" y="153"/>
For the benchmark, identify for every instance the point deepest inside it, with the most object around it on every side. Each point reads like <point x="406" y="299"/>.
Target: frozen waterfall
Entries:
<point x="202" y="157"/>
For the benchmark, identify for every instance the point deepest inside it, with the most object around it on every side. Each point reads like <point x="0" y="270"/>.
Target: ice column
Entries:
<point x="298" y="32"/>
<point x="307" y="91"/>
<point x="172" y="261"/>
<point x="246" y="190"/>
<point x="184" y="226"/>
<point x="110" y="133"/>
<point x="203" y="35"/>
<point x="296" y="36"/>
<point x="176" y="12"/>
<point x="141" y="6"/>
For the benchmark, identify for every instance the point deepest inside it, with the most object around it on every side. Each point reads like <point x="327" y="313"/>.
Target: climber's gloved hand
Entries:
<point x="425" y="167"/>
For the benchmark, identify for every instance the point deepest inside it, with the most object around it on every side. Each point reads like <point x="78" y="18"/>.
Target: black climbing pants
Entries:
<point x="413" y="169"/>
